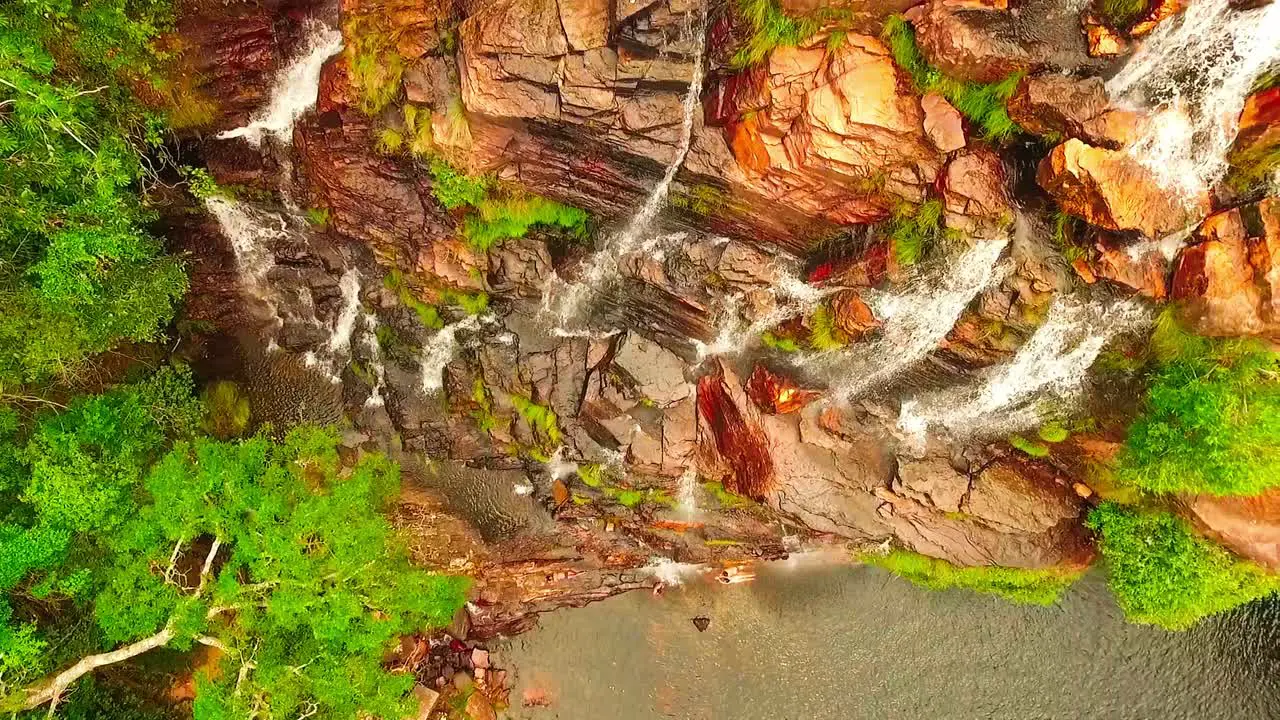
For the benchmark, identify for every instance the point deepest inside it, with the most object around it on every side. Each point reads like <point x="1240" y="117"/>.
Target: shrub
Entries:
<point x="1019" y="585"/>
<point x="1162" y="574"/>
<point x="455" y="189"/>
<point x="226" y="410"/>
<point x="1210" y="420"/>
<point x="984" y="104"/>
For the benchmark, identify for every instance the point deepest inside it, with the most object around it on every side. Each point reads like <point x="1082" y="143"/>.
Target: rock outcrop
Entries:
<point x="1249" y="526"/>
<point x="1110" y="189"/>
<point x="1228" y="282"/>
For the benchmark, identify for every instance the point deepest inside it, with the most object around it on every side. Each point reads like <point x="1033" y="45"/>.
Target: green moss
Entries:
<point x="318" y="217"/>
<point x="1163" y="574"/>
<point x="483" y="415"/>
<point x="1210" y="420"/>
<point x="473" y="303"/>
<point x="455" y="189"/>
<point x="702" y="199"/>
<point x="723" y="543"/>
<point x="374" y="65"/>
<point x="389" y="141"/>
<point x="1030" y="447"/>
<point x="427" y="314"/>
<point x="776" y="342"/>
<point x="542" y="420"/>
<point x="985" y="105"/>
<point x="1018" y="585"/>
<point x="592" y="475"/>
<point x="631" y="498"/>
<point x="1253" y="166"/>
<point x="1053" y="433"/>
<point x="725" y="498"/>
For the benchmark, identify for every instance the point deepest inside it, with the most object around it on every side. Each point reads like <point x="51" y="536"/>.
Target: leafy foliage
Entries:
<point x="80" y="274"/>
<point x="1163" y="574"/>
<point x="985" y="105"/>
<point x="542" y="420"/>
<point x="227" y="410"/>
<point x="454" y="188"/>
<point x="501" y="219"/>
<point x="1019" y="585"/>
<point x="1211" y="417"/>
<point x="306" y="585"/>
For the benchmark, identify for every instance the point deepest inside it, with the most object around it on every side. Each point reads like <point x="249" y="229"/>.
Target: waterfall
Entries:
<point x="345" y="325"/>
<point x="915" y="322"/>
<point x="687" y="492"/>
<point x="1054" y="363"/>
<point x="564" y="302"/>
<point x="250" y="232"/>
<point x="1195" y="71"/>
<point x="369" y="338"/>
<point x="792" y="297"/>
<point x="295" y="89"/>
<point x="439" y="352"/>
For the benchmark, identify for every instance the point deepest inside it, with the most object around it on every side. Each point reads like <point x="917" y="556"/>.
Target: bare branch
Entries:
<point x="208" y="564"/>
<point x="52" y="691"/>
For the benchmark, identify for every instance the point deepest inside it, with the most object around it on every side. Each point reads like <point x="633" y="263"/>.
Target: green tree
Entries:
<point x="79" y="274"/>
<point x="272" y="551"/>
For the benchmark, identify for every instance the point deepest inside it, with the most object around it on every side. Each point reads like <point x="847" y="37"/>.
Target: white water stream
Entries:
<point x="915" y="322"/>
<point x="1052" y="366"/>
<point x="295" y="90"/>
<point x="439" y="352"/>
<point x="564" y="302"/>
<point x="792" y="297"/>
<point x="250" y="232"/>
<point x="1195" y="72"/>
<point x="369" y="338"/>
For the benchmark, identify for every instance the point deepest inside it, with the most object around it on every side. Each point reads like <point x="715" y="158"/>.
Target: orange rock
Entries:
<point x="1160" y="10"/>
<point x="942" y="123"/>
<point x="748" y="148"/>
<point x="1229" y="282"/>
<point x="1103" y="41"/>
<point x="559" y="492"/>
<point x="852" y="315"/>
<point x="1110" y="189"/>
<point x="1250" y="526"/>
<point x="1143" y="274"/>
<point x="777" y="394"/>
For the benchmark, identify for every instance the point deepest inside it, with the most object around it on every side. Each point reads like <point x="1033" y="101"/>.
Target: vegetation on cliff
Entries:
<point x="125" y="531"/>
<point x="1210" y="421"/>
<point x="1163" y="574"/>
<point x="80" y="273"/>
<point x="1018" y="585"/>
<point x="984" y="105"/>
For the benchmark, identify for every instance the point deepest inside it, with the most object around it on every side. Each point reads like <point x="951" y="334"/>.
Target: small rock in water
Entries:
<point x="480" y="658"/>
<point x="427" y="699"/>
<point x="702" y="623"/>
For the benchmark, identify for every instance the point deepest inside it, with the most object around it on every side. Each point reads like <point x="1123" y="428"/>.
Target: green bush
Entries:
<point x="1018" y="585"/>
<point x="456" y="189"/>
<point x="1163" y="574"/>
<point x="771" y="27"/>
<point x="1210" y="421"/>
<point x="985" y="105"/>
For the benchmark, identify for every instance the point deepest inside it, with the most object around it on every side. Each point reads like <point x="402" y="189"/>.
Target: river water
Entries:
<point x="843" y="643"/>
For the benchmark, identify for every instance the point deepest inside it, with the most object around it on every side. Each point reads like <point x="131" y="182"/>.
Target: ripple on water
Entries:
<point x="843" y="643"/>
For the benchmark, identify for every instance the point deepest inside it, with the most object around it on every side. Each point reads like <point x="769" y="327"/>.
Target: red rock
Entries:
<point x="973" y="190"/>
<point x="1055" y="104"/>
<point x="1110" y="189"/>
<point x="1144" y="274"/>
<point x="1228" y="282"/>
<point x="740" y="442"/>
<point x="1249" y="526"/>
<point x="852" y="315"/>
<point x="777" y="394"/>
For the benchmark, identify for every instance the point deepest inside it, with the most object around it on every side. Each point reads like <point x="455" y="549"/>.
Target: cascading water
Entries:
<point x="915" y="322"/>
<point x="251" y="232"/>
<point x="369" y="338"/>
<point x="564" y="302"/>
<point x="439" y="352"/>
<point x="792" y="297"/>
<point x="1196" y="72"/>
<point x="295" y="90"/>
<point x="687" y="492"/>
<point x="1054" y="363"/>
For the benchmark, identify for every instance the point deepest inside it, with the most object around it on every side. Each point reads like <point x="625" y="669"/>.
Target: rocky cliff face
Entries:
<point x="573" y="460"/>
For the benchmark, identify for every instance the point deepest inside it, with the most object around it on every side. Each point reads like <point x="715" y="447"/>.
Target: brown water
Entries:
<point x="846" y="642"/>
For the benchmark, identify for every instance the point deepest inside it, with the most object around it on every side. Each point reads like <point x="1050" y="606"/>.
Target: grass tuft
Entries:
<point x="984" y="104"/>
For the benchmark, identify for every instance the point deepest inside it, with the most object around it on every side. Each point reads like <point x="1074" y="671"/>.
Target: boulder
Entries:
<point x="1104" y="42"/>
<point x="932" y="481"/>
<point x="658" y="373"/>
<point x="1249" y="526"/>
<point x="586" y="23"/>
<point x="942" y="123"/>
<point x="731" y="433"/>
<point x="852" y="315"/>
<point x="1019" y="497"/>
<point x="1139" y="270"/>
<point x="1110" y="189"/>
<point x="1053" y="104"/>
<point x="973" y="190"/>
<point x="1229" y="281"/>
